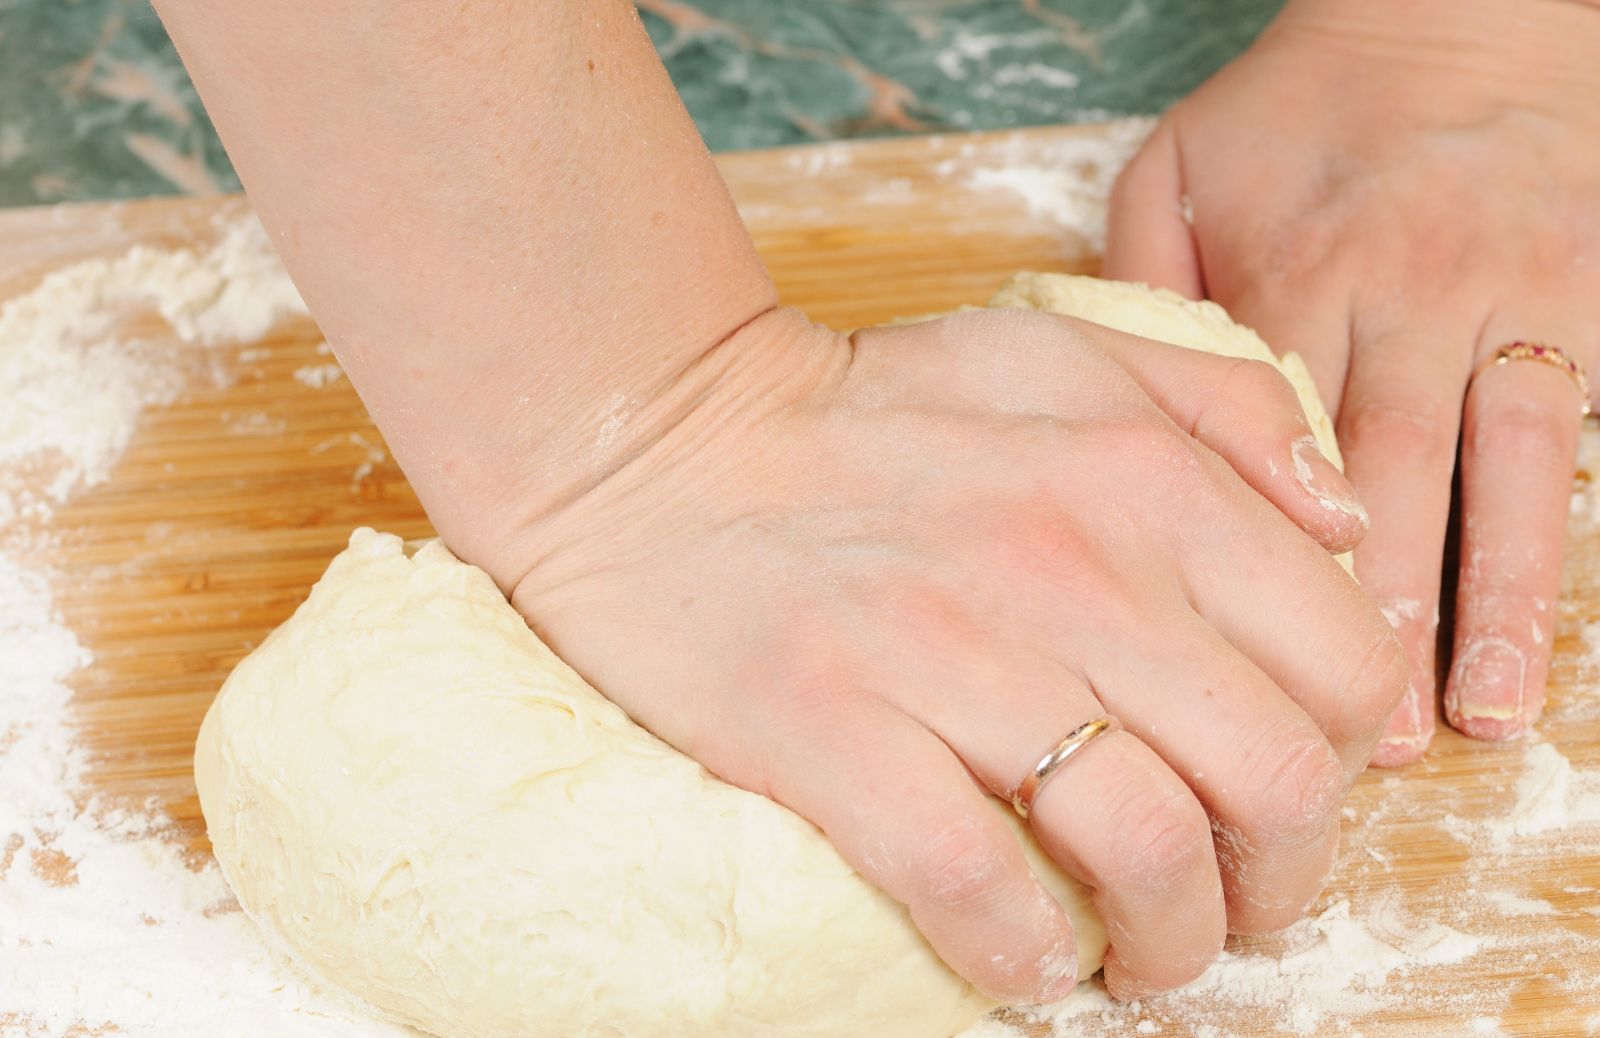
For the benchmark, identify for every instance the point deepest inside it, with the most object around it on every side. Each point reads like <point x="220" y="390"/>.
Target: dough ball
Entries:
<point x="434" y="812"/>
<point x="413" y="795"/>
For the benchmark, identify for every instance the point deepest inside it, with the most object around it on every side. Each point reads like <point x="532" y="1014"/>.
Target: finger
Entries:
<point x="1256" y="761"/>
<point x="1519" y="450"/>
<point x="1247" y="412"/>
<point x="1148" y="237"/>
<point x="1115" y="817"/>
<point x="1399" y="424"/>
<point x="1121" y="822"/>
<point x="902" y="810"/>
<point x="1295" y="614"/>
<point x="1267" y="777"/>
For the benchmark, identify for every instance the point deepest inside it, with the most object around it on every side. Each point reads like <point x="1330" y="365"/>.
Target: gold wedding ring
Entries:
<point x="1051" y="762"/>
<point x="1544" y="354"/>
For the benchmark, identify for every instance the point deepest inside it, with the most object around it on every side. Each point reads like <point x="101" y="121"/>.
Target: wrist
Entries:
<point x="496" y="434"/>
<point x="694" y="435"/>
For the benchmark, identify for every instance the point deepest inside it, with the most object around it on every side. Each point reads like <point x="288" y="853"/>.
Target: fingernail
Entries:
<point x="1410" y="728"/>
<point x="1397" y="750"/>
<point x="1486" y="693"/>
<point x="1320" y="478"/>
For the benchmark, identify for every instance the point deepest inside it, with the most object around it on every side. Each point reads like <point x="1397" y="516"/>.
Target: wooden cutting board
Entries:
<point x="230" y="501"/>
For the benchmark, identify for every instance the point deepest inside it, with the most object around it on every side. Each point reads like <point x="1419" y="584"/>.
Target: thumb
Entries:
<point x="1147" y="237"/>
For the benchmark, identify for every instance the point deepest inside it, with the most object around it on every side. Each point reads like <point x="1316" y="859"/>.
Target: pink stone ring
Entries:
<point x="1545" y="354"/>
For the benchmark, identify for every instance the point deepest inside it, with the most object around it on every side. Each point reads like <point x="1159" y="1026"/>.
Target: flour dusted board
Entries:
<point x="229" y="502"/>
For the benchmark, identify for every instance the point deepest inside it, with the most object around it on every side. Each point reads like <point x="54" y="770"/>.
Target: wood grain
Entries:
<point x="229" y="503"/>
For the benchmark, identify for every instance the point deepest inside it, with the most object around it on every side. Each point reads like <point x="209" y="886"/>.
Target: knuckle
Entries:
<point x="1298" y="782"/>
<point x="1162" y="841"/>
<point x="1413" y="425"/>
<point x="1040" y="549"/>
<point x="962" y="863"/>
<point x="805" y="687"/>
<point x="1036" y="533"/>
<point x="1253" y="395"/>
<point x="1260" y="381"/>
<point x="927" y="612"/>
<point x="1037" y="545"/>
<point x="1300" y="256"/>
<point x="1377" y="682"/>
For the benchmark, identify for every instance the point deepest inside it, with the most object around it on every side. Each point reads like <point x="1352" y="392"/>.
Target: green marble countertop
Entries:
<point x="94" y="103"/>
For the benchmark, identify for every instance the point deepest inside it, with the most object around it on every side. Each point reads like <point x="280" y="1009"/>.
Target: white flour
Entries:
<point x="1549" y="797"/>
<point x="1332" y="966"/>
<point x="1069" y="184"/>
<point x="317" y="376"/>
<point x="72" y="390"/>
<point x="103" y="927"/>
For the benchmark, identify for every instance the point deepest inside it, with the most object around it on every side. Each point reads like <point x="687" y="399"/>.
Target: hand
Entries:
<point x="851" y="575"/>
<point x="876" y="578"/>
<point x="1394" y="191"/>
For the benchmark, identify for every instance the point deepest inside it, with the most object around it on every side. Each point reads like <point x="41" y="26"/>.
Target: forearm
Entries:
<point x="500" y="214"/>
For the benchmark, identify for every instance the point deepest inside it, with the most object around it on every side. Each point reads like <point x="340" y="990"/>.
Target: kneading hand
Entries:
<point x="876" y="578"/>
<point x="1395" y="191"/>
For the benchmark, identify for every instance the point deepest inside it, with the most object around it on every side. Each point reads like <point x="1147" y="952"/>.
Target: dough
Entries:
<point x="426" y="807"/>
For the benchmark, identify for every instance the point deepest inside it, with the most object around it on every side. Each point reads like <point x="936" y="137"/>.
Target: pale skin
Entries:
<point x="873" y="576"/>
<point x="1394" y="190"/>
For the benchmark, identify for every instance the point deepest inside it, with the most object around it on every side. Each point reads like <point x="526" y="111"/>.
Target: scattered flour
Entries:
<point x="1585" y="661"/>
<point x="1395" y="949"/>
<point x="814" y="159"/>
<point x="103" y="926"/>
<point x="254" y="423"/>
<point x="1333" y="965"/>
<point x="373" y="455"/>
<point x="1550" y="796"/>
<point x="318" y="376"/>
<point x="1070" y="183"/>
<point x="1591" y="646"/>
<point x="72" y="390"/>
<point x="1585" y="504"/>
<point x="1509" y="903"/>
